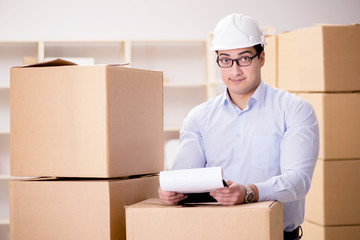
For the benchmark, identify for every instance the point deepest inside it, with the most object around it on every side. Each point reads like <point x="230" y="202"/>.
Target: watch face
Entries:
<point x="250" y="197"/>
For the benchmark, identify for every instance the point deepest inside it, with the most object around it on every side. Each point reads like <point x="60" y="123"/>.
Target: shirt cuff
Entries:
<point x="265" y="190"/>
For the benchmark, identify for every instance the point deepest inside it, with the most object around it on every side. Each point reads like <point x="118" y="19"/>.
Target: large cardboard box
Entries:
<point x="74" y="209"/>
<point x="269" y="70"/>
<point x="320" y="58"/>
<point x="313" y="231"/>
<point x="339" y="123"/>
<point x="85" y="121"/>
<point x="333" y="197"/>
<point x="152" y="220"/>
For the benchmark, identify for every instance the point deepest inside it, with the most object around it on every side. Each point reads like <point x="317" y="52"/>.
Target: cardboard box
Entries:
<point x="320" y="58"/>
<point x="339" y="117"/>
<point x="85" y="121"/>
<point x="74" y="209"/>
<point x="333" y="197"/>
<point x="317" y="232"/>
<point x="152" y="220"/>
<point x="269" y="70"/>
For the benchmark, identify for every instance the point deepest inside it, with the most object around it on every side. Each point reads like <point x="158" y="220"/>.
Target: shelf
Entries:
<point x="102" y="52"/>
<point x="17" y="42"/>
<point x="6" y="177"/>
<point x="172" y="129"/>
<point x="171" y="133"/>
<point x="184" y="85"/>
<point x="217" y="82"/>
<point x="4" y="221"/>
<point x="177" y="41"/>
<point x="171" y="40"/>
<point x="84" y="41"/>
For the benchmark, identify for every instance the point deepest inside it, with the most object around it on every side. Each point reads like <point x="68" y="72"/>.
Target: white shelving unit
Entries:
<point x="187" y="81"/>
<point x="184" y="66"/>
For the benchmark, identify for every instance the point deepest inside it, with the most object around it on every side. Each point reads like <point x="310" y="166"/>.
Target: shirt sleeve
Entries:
<point x="190" y="151"/>
<point x="299" y="151"/>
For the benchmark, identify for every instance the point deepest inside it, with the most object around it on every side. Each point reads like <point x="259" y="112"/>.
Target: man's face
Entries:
<point x="242" y="81"/>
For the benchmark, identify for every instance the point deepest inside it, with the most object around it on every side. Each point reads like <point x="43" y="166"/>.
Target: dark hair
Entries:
<point x="259" y="48"/>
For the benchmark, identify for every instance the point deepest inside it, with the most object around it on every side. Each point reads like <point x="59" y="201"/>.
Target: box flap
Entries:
<point x="118" y="64"/>
<point x="50" y="63"/>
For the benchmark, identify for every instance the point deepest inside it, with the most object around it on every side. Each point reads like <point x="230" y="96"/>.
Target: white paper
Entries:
<point x="195" y="180"/>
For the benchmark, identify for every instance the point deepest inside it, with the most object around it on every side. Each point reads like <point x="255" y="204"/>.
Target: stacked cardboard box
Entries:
<point x="155" y="221"/>
<point x="319" y="59"/>
<point x="321" y="64"/>
<point x="269" y="70"/>
<point x="73" y="208"/>
<point x="96" y="134"/>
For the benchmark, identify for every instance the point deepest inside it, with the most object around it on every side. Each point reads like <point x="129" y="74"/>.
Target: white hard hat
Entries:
<point x="237" y="31"/>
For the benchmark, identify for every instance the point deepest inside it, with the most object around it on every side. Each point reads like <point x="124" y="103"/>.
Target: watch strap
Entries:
<point x="250" y="195"/>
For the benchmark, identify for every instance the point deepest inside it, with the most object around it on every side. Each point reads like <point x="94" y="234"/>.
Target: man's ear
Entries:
<point x="262" y="58"/>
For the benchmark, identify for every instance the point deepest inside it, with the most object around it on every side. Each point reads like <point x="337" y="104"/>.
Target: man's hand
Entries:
<point x="232" y="195"/>
<point x="170" y="198"/>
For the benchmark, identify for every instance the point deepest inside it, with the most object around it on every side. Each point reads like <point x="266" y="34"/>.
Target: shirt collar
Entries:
<point x="259" y="94"/>
<point x="226" y="97"/>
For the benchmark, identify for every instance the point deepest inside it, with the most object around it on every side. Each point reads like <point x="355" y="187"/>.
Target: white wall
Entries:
<point x="136" y="19"/>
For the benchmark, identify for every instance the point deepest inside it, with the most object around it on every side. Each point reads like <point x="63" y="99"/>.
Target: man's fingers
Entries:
<point x="173" y="200"/>
<point x="228" y="200"/>
<point x="228" y="196"/>
<point x="169" y="197"/>
<point x="167" y="194"/>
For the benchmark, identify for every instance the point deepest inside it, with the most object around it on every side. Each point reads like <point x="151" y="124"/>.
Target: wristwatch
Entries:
<point x="250" y="195"/>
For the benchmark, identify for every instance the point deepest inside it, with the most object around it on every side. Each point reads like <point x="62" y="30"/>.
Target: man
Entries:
<point x="265" y="139"/>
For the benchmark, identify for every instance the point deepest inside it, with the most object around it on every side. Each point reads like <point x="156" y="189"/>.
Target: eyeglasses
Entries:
<point x="241" y="62"/>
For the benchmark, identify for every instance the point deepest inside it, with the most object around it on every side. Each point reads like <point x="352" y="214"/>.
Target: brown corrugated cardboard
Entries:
<point x="85" y="121"/>
<point x="152" y="220"/>
<point x="320" y="58"/>
<point x="339" y="117"/>
<point x="316" y="232"/>
<point x="269" y="70"/>
<point x="74" y="209"/>
<point x="332" y="198"/>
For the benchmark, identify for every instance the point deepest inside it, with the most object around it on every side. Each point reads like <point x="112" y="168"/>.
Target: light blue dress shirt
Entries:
<point x="272" y="143"/>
